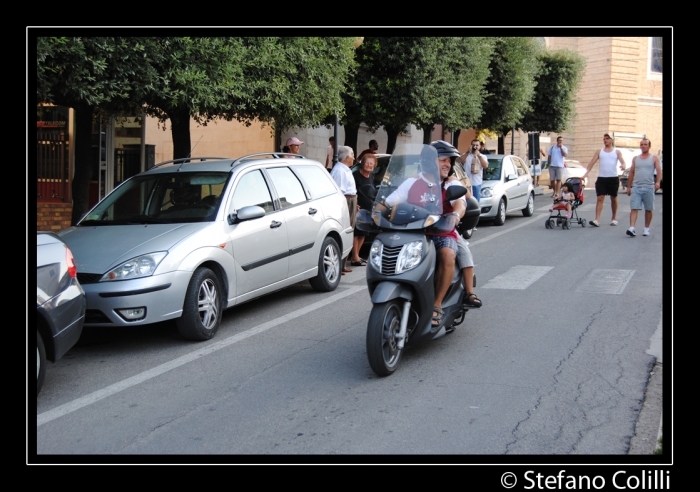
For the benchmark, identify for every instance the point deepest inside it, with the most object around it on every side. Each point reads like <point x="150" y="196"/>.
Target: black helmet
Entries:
<point x="446" y="149"/>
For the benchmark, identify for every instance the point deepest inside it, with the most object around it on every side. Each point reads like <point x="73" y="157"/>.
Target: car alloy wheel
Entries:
<point x="201" y="314"/>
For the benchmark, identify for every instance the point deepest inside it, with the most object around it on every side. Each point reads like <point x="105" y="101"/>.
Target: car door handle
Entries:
<point x="312" y="211"/>
<point x="274" y="224"/>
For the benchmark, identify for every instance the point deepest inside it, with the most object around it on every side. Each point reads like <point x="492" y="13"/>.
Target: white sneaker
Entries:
<point x="646" y="231"/>
<point x="631" y="232"/>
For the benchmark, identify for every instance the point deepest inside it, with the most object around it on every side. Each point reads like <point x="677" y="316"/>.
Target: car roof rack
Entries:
<point x="275" y="155"/>
<point x="185" y="160"/>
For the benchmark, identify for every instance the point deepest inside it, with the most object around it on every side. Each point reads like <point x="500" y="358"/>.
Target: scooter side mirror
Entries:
<point x="454" y="192"/>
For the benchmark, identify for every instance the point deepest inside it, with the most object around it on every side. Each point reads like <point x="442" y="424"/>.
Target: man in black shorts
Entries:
<point x="608" y="181"/>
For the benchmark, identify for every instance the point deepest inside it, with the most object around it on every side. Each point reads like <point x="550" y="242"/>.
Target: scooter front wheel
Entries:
<point x="382" y="345"/>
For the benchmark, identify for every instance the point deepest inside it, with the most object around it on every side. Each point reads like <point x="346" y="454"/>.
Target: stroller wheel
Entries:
<point x="552" y="223"/>
<point x="547" y="225"/>
<point x="583" y="222"/>
<point x="567" y="224"/>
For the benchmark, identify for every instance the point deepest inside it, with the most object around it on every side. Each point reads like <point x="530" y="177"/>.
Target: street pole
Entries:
<point x="335" y="140"/>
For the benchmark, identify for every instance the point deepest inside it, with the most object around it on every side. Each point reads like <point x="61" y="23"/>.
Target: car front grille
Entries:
<point x="89" y="278"/>
<point x="389" y="257"/>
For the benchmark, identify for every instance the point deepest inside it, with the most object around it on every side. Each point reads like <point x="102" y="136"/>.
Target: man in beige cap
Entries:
<point x="294" y="145"/>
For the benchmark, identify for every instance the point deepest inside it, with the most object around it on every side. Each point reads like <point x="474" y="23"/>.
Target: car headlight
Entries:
<point x="486" y="193"/>
<point x="410" y="256"/>
<point x="141" y="266"/>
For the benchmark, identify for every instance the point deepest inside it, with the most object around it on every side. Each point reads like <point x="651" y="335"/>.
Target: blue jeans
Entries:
<point x="476" y="191"/>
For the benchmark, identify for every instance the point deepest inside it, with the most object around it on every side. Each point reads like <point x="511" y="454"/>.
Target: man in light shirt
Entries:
<point x="346" y="182"/>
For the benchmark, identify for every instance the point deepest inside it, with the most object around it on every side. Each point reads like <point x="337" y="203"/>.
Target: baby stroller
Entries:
<point x="556" y="217"/>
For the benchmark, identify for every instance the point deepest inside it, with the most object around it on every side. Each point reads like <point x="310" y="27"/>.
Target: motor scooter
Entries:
<point x="401" y="267"/>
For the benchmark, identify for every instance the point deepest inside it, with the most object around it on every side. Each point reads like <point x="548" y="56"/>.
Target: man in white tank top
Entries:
<point x="645" y="184"/>
<point x="608" y="181"/>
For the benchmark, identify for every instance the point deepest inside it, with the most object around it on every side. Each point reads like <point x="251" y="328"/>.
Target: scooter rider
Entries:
<point x="418" y="190"/>
<point x="465" y="261"/>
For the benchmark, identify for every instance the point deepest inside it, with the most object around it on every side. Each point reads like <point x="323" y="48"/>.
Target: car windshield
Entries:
<point x="161" y="199"/>
<point x="494" y="169"/>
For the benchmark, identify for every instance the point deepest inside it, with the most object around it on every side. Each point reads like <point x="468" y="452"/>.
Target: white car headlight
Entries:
<point x="410" y="256"/>
<point x="486" y="193"/>
<point x="141" y="266"/>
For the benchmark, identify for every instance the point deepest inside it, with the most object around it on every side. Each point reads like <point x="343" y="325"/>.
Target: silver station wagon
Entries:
<point x="191" y="237"/>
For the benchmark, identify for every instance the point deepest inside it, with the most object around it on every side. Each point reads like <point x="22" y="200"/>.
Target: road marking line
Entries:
<point x="517" y="277"/>
<point x="600" y="281"/>
<point x="98" y="395"/>
<point x="492" y="236"/>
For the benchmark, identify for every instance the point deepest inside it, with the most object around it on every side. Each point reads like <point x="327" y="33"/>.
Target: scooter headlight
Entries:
<point x="410" y="256"/>
<point x="375" y="255"/>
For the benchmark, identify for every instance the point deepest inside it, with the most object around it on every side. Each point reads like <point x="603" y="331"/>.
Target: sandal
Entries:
<point x="437" y="318"/>
<point x="472" y="301"/>
<point x="359" y="263"/>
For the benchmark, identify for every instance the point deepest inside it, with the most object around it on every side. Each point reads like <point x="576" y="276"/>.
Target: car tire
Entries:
<point x="530" y="207"/>
<point x="328" y="276"/>
<point x="201" y="313"/>
<point x="500" y="218"/>
<point x="40" y="362"/>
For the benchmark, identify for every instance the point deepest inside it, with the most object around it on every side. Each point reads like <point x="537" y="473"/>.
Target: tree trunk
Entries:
<point x="427" y="133"/>
<point x="392" y="136"/>
<point x="501" y="143"/>
<point x="80" y="186"/>
<point x="278" y="139"/>
<point x="180" y="123"/>
<point x="351" y="136"/>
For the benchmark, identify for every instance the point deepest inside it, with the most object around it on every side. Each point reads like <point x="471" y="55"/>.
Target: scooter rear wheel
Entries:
<point x="382" y="345"/>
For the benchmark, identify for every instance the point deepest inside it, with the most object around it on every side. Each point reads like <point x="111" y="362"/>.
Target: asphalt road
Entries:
<point x="563" y="359"/>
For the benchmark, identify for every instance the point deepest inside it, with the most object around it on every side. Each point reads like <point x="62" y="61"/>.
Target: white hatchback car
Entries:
<point x="191" y="237"/>
<point x="507" y="187"/>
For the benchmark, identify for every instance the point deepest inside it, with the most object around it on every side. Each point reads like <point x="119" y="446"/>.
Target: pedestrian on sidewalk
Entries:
<point x="644" y="180"/>
<point x="342" y="175"/>
<point x="557" y="153"/>
<point x="608" y="181"/>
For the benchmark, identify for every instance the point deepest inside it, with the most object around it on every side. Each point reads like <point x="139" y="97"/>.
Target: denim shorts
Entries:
<point x="641" y="196"/>
<point x="444" y="242"/>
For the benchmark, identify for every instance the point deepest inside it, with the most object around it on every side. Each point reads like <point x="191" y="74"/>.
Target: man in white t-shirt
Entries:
<point x="608" y="181"/>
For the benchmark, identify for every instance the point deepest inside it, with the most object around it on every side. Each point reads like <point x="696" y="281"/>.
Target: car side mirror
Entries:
<point x="246" y="213"/>
<point x="511" y="177"/>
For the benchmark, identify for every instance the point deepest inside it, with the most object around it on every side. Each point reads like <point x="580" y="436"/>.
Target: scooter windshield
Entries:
<point x="413" y="178"/>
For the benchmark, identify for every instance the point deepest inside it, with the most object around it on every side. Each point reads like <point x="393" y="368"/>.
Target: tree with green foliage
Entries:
<point x="281" y="81"/>
<point x="455" y="89"/>
<point x="87" y="74"/>
<point x="421" y="81"/>
<point x="387" y="88"/>
<point x="511" y="84"/>
<point x="554" y="106"/>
